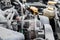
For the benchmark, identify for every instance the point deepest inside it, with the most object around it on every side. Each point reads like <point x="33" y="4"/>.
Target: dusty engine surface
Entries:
<point x="29" y="20"/>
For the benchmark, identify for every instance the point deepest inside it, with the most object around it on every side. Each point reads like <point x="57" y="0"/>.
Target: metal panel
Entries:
<point x="6" y="34"/>
<point x="48" y="32"/>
